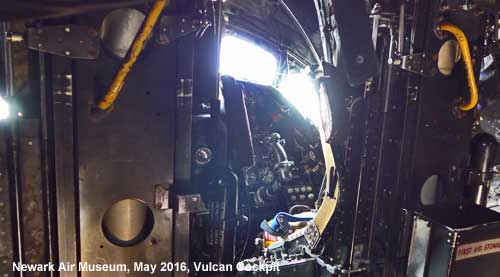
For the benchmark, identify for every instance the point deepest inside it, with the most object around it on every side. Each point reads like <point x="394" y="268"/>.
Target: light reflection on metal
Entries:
<point x="119" y="29"/>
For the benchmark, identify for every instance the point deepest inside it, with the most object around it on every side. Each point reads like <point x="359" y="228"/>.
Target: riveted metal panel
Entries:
<point x="126" y="154"/>
<point x="33" y="204"/>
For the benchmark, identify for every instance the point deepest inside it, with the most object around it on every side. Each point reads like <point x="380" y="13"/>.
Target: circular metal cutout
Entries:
<point x="118" y="30"/>
<point x="127" y="222"/>
<point x="429" y="193"/>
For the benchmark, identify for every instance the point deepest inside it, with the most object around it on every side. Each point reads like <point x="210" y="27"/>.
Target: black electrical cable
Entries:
<point x="334" y="180"/>
<point x="320" y="193"/>
<point x="243" y="250"/>
<point x="298" y="206"/>
<point x="299" y="27"/>
<point x="217" y="25"/>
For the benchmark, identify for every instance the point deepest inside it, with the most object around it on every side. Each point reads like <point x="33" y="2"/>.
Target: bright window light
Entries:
<point x="298" y="88"/>
<point x="246" y="61"/>
<point x="4" y="109"/>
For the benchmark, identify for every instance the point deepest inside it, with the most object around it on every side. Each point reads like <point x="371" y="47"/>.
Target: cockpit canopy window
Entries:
<point x="299" y="89"/>
<point x="247" y="61"/>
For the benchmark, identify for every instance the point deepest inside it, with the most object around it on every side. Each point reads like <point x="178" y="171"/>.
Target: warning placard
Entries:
<point x="479" y="248"/>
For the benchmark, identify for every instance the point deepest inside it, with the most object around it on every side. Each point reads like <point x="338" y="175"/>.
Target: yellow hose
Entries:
<point x="464" y="49"/>
<point x="117" y="84"/>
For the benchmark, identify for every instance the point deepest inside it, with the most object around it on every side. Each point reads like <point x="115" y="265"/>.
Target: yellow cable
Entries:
<point x="119" y="80"/>
<point x="464" y="49"/>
